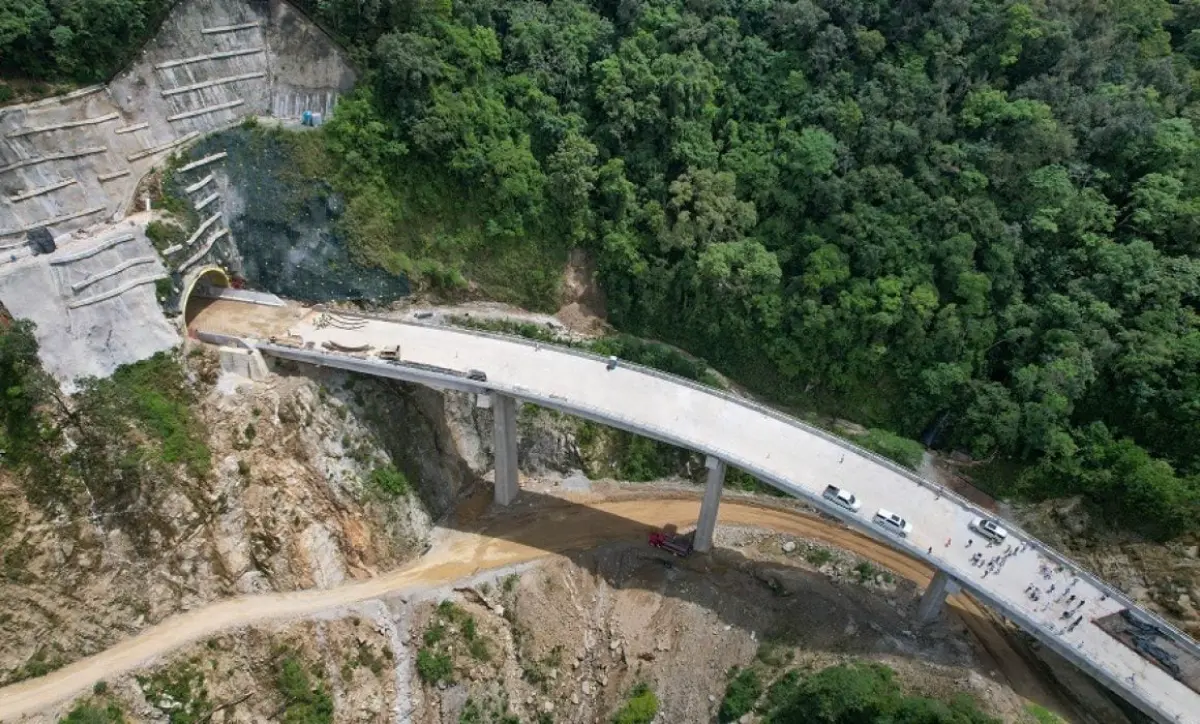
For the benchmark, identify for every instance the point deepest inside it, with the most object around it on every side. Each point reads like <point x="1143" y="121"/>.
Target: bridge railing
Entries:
<point x="421" y="375"/>
<point x="1181" y="638"/>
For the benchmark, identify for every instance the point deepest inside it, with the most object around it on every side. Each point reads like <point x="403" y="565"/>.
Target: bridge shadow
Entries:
<point x="780" y="598"/>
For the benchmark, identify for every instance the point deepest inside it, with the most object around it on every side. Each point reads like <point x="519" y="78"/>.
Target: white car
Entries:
<point x="842" y="497"/>
<point x="989" y="529"/>
<point x="893" y="523"/>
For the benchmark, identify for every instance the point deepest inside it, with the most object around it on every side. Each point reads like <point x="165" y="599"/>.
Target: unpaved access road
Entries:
<point x="518" y="535"/>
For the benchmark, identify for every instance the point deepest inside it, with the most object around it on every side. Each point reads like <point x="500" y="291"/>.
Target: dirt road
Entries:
<point x="522" y="534"/>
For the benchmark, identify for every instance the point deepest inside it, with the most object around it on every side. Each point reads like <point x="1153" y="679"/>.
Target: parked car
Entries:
<point x="989" y="529"/>
<point x="893" y="523"/>
<point x="842" y="497"/>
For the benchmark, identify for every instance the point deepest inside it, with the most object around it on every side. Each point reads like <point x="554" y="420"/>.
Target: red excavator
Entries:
<point x="668" y="540"/>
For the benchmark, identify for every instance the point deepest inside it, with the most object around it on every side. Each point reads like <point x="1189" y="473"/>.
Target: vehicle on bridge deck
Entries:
<point x="893" y="523"/>
<point x="680" y="545"/>
<point x="842" y="497"/>
<point x="989" y="529"/>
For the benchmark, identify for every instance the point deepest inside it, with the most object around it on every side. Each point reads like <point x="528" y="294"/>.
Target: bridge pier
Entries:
<point x="707" y="524"/>
<point x="504" y="439"/>
<point x="935" y="594"/>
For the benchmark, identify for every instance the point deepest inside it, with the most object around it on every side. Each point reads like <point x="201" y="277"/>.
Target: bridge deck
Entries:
<point x="799" y="460"/>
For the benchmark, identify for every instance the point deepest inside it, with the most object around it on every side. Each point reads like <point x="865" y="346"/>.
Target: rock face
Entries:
<point x="576" y="636"/>
<point x="288" y="505"/>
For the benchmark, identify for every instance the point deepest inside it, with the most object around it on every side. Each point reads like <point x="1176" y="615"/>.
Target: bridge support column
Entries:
<point x="935" y="594"/>
<point x="504" y="439"/>
<point x="707" y="525"/>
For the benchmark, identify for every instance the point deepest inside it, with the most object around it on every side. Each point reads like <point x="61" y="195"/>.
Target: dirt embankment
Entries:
<point x="707" y="613"/>
<point x="287" y="506"/>
<point x="290" y="508"/>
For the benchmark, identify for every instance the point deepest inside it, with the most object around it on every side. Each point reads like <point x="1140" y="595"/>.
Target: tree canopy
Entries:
<point x="979" y="212"/>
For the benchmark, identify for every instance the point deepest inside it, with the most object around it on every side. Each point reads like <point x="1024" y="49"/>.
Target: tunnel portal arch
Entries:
<point x="205" y="276"/>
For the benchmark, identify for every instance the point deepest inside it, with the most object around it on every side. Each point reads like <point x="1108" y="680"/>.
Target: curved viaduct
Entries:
<point x="777" y="449"/>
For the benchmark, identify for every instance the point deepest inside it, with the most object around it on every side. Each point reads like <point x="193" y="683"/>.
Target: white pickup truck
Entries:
<point x="841" y="497"/>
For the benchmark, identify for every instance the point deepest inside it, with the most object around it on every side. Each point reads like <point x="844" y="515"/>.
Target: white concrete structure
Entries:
<point x="935" y="595"/>
<point x="790" y="456"/>
<point x="504" y="437"/>
<point x="707" y="524"/>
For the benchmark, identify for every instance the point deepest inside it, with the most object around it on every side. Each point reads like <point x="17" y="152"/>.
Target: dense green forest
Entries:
<point x="984" y="213"/>
<point x="81" y="40"/>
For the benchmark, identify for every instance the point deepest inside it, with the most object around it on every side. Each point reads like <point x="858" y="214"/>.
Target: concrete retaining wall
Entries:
<point x="258" y="59"/>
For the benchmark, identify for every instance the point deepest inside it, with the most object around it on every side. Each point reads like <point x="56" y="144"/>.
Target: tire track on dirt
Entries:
<point x="509" y="538"/>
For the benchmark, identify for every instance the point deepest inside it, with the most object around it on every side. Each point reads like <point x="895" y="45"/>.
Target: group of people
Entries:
<point x="996" y="562"/>
<point x="1069" y="601"/>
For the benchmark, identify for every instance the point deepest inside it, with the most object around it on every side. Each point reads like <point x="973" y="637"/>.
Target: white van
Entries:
<point x="893" y="523"/>
<point x="989" y="529"/>
<point x="842" y="497"/>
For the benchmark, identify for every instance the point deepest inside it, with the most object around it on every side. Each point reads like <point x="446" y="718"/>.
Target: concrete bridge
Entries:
<point x="779" y="450"/>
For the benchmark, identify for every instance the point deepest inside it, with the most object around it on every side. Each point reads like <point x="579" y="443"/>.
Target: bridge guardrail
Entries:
<point x="1181" y="638"/>
<point x="421" y="376"/>
<point x="1043" y="632"/>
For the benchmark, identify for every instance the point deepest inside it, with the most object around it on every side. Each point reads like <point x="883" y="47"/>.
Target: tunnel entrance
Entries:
<point x="197" y="291"/>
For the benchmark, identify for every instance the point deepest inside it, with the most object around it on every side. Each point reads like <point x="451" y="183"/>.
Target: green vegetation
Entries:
<point x="433" y="667"/>
<point x="434" y="662"/>
<point x="94" y="713"/>
<point x="84" y="40"/>
<point x="740" y="695"/>
<point x="1043" y="715"/>
<point x="891" y="214"/>
<point x="390" y="481"/>
<point x="179" y="692"/>
<point x="164" y="234"/>
<point x="131" y="434"/>
<point x="894" y="447"/>
<point x="848" y="694"/>
<point x="818" y="556"/>
<point x="490" y="711"/>
<point x="306" y="701"/>
<point x="640" y="708"/>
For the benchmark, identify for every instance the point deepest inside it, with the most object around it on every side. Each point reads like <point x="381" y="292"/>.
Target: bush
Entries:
<point x="307" y="703"/>
<point x="94" y="714"/>
<point x="433" y="667"/>
<point x="183" y="684"/>
<point x="1122" y="480"/>
<point x="741" y="694"/>
<point x="390" y="481"/>
<point x="865" y="571"/>
<point x="640" y="708"/>
<point x="848" y="694"/>
<point x="898" y="449"/>
<point x="434" y="634"/>
<point x="1043" y="715"/>
<point x="164" y="234"/>
<point x="818" y="556"/>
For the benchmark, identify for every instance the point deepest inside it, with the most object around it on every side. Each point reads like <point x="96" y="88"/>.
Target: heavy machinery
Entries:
<point x="668" y="540"/>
